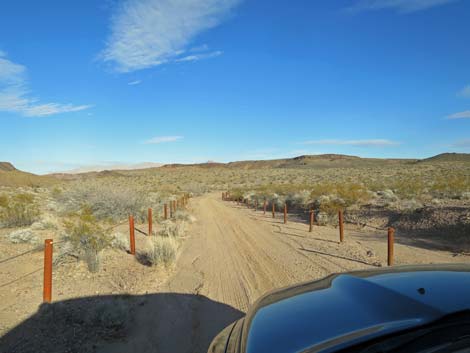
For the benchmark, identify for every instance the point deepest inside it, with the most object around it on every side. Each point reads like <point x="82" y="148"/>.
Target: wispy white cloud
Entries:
<point x="135" y="82"/>
<point x="403" y="6"/>
<point x="359" y="143"/>
<point x="163" y="139"/>
<point x="465" y="92"/>
<point x="196" y="57"/>
<point x="147" y="33"/>
<point x="461" y="115"/>
<point x="15" y="95"/>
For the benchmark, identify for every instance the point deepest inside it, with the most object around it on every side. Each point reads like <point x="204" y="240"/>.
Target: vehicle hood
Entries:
<point x="346" y="309"/>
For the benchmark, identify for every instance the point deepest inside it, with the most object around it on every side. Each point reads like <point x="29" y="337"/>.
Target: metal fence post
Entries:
<point x="150" y="220"/>
<point x="341" y="226"/>
<point x="311" y="220"/>
<point x="132" y="235"/>
<point x="47" y="285"/>
<point x="285" y="213"/>
<point x="391" y="242"/>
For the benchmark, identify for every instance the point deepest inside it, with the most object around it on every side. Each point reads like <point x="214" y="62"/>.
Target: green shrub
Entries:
<point x="19" y="210"/>
<point x="86" y="237"/>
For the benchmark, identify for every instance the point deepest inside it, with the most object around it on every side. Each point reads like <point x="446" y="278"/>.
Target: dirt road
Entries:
<point x="233" y="256"/>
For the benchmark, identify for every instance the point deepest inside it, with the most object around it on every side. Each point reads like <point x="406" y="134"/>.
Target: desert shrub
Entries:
<point x="236" y="193"/>
<point x="3" y="201"/>
<point x="56" y="192"/>
<point x="110" y="201"/>
<point x="23" y="236"/>
<point x="300" y="199"/>
<point x="162" y="250"/>
<point x="170" y="228"/>
<point x="184" y="216"/>
<point x="18" y="210"/>
<point x="451" y="185"/>
<point x="349" y="193"/>
<point x="46" y="222"/>
<point x="329" y="204"/>
<point x="86" y="237"/>
<point x="119" y="241"/>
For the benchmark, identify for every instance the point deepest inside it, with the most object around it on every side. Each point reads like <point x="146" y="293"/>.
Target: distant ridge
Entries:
<point x="10" y="176"/>
<point x="448" y="157"/>
<point x="7" y="167"/>
<point x="102" y="168"/>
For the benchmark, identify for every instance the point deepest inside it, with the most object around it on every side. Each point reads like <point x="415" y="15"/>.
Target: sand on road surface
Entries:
<point x="234" y="255"/>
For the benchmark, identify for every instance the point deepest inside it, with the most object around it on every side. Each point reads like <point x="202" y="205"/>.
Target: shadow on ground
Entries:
<point x="163" y="322"/>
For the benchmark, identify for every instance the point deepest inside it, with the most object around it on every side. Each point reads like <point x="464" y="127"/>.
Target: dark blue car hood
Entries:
<point x="342" y="310"/>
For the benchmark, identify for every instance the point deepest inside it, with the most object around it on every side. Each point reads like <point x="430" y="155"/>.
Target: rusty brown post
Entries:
<point x="274" y="210"/>
<point x="132" y="235"/>
<point x="264" y="207"/>
<point x="150" y="220"/>
<point x="312" y="215"/>
<point x="47" y="285"/>
<point x="391" y="241"/>
<point x="285" y="213"/>
<point x="256" y="205"/>
<point x="165" y="211"/>
<point x="341" y="226"/>
<point x="223" y="196"/>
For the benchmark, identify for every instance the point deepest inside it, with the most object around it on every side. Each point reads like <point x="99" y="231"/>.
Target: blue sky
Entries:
<point x="100" y="83"/>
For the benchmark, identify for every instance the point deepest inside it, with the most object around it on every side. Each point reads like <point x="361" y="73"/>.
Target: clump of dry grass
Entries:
<point x="162" y="250"/>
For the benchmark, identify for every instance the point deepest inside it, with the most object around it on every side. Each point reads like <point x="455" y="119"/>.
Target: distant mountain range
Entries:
<point x="10" y="176"/>
<point x="100" y="168"/>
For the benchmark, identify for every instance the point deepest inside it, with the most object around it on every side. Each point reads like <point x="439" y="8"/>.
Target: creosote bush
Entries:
<point x="107" y="201"/>
<point x="19" y="210"/>
<point x="86" y="237"/>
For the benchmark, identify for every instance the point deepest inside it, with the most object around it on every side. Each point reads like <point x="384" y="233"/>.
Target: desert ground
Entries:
<point x="202" y="269"/>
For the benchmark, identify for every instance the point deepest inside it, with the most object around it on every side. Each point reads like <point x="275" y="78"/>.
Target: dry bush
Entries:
<point x="110" y="201"/>
<point x="120" y="241"/>
<point x="86" y="237"/>
<point x="162" y="250"/>
<point x="170" y="228"/>
<point x="18" y="210"/>
<point x="25" y="236"/>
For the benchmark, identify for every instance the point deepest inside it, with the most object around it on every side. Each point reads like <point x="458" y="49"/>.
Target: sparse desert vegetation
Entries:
<point x="428" y="202"/>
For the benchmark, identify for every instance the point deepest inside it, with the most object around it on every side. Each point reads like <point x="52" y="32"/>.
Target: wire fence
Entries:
<point x="50" y="244"/>
<point x="341" y="221"/>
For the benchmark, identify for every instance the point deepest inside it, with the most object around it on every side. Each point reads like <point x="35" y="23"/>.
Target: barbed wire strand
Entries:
<point x="16" y="256"/>
<point x="20" y="278"/>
